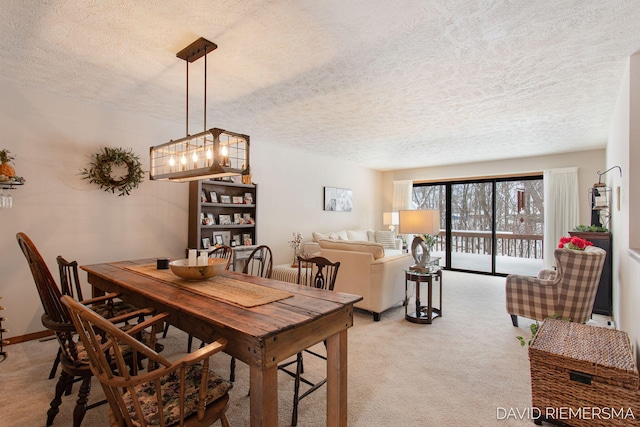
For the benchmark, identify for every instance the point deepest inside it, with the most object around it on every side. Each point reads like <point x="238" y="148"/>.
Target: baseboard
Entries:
<point x="28" y="337"/>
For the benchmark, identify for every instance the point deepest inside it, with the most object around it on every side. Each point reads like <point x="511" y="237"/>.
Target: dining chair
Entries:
<point x="182" y="392"/>
<point x="223" y="252"/>
<point x="56" y="318"/>
<point x="70" y="285"/>
<point x="321" y="273"/>
<point x="259" y="263"/>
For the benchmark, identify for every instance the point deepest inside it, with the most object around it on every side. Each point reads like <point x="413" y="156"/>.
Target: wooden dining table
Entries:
<point x="259" y="335"/>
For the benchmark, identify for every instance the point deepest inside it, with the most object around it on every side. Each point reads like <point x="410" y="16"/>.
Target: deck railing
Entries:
<point x="479" y="242"/>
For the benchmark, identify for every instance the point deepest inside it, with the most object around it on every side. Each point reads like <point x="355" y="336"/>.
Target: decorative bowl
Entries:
<point x="181" y="268"/>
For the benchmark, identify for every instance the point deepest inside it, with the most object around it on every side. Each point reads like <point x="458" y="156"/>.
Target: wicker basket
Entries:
<point x="584" y="375"/>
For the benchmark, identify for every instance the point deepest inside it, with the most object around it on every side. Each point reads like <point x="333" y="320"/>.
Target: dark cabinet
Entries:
<point x="603" y="303"/>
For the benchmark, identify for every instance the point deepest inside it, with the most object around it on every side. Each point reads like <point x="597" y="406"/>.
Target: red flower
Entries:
<point x="574" y="242"/>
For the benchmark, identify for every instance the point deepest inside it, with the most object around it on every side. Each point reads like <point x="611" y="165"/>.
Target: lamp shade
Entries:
<point x="426" y="221"/>
<point x="390" y="218"/>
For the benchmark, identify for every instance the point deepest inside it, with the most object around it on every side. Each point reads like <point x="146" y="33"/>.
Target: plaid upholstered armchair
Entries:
<point x="569" y="291"/>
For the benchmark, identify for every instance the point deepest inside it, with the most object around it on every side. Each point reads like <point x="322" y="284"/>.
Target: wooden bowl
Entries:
<point x="181" y="268"/>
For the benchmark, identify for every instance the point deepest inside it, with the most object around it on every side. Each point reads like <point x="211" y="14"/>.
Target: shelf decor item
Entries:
<point x="101" y="170"/>
<point x="213" y="153"/>
<point x="5" y="163"/>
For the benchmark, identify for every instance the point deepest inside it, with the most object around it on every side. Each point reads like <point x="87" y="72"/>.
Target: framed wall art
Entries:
<point x="338" y="199"/>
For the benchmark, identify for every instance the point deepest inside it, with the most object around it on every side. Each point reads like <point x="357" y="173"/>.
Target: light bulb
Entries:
<point x="224" y="151"/>
<point x="183" y="160"/>
<point x="209" y="154"/>
<point x="172" y="162"/>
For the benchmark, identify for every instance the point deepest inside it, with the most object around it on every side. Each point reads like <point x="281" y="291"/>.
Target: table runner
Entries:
<point x="223" y="288"/>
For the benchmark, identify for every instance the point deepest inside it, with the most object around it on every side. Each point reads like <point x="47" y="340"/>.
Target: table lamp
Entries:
<point x="420" y="223"/>
<point x="390" y="219"/>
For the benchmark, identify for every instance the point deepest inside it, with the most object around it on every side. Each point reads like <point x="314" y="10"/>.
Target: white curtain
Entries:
<point x="561" y="208"/>
<point x="402" y="195"/>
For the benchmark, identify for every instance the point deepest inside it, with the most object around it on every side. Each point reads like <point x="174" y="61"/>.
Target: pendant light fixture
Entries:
<point x="213" y="153"/>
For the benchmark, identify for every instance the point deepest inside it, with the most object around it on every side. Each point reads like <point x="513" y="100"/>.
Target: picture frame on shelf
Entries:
<point x="224" y="219"/>
<point x="236" y="240"/>
<point x="206" y="243"/>
<point x="203" y="197"/>
<point x="246" y="239"/>
<point x="238" y="200"/>
<point x="202" y="218"/>
<point x="248" y="198"/>
<point x="237" y="218"/>
<point x="218" y="239"/>
<point x="226" y="238"/>
<point x="213" y="196"/>
<point x="225" y="199"/>
<point x="210" y="219"/>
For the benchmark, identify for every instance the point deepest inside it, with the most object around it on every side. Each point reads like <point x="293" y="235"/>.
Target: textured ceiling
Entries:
<point x="388" y="84"/>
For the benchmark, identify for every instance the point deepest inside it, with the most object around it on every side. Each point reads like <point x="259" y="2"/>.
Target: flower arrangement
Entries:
<point x="575" y="243"/>
<point x="295" y="244"/>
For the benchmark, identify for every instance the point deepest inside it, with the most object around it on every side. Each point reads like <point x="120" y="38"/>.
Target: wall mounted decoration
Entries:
<point x="338" y="199"/>
<point x="101" y="170"/>
<point x="8" y="178"/>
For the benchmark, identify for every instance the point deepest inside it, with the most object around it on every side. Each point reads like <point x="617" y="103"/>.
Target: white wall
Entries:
<point x="587" y="162"/>
<point x="623" y="149"/>
<point x="53" y="137"/>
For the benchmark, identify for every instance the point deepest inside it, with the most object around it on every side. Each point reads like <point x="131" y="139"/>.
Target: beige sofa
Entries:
<point x="368" y="269"/>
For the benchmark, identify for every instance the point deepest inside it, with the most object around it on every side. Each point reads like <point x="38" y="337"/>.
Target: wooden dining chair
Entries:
<point x="182" y="392"/>
<point x="260" y="262"/>
<point x="223" y="252"/>
<point x="56" y="318"/>
<point x="320" y="273"/>
<point x="70" y="285"/>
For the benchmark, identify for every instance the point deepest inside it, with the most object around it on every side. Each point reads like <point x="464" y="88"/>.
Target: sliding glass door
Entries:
<point x="520" y="226"/>
<point x="491" y="225"/>
<point x="471" y="226"/>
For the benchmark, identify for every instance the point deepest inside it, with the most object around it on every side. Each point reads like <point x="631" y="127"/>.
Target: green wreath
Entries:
<point x="101" y="165"/>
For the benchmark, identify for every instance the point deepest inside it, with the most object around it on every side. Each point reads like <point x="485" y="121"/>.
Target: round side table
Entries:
<point x="423" y="313"/>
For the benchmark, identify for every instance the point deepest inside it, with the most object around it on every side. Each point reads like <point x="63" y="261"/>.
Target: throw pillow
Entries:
<point x="318" y="236"/>
<point x="359" y="235"/>
<point x="386" y="238"/>
<point x="339" y="235"/>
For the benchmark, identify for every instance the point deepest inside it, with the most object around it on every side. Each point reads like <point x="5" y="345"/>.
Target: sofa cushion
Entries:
<point x="339" y="235"/>
<point x="315" y="236"/>
<point x="360" y="235"/>
<point x="375" y="249"/>
<point x="386" y="238"/>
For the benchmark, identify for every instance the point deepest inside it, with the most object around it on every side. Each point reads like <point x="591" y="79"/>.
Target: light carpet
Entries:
<point x="467" y="368"/>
